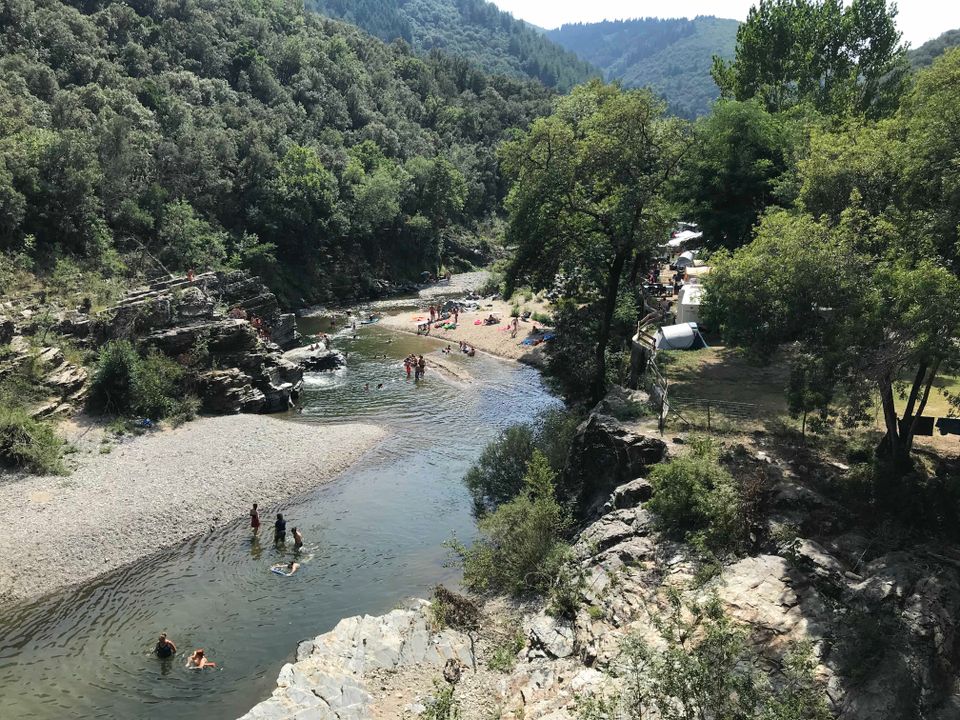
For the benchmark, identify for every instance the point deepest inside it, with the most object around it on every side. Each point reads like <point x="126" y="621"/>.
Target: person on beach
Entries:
<point x="280" y="529"/>
<point x="515" y="327"/>
<point x="286" y="569"/>
<point x="297" y="539"/>
<point x="456" y="314"/>
<point x="433" y="313"/>
<point x="199" y="661"/>
<point x="255" y="518"/>
<point x="164" y="649"/>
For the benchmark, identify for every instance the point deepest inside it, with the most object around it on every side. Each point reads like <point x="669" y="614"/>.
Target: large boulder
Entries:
<point x="229" y="392"/>
<point x="319" y="360"/>
<point x="603" y="455"/>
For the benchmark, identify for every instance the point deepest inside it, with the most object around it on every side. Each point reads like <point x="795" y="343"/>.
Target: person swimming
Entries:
<point x="286" y="569"/>
<point x="199" y="661"/>
<point x="164" y="648"/>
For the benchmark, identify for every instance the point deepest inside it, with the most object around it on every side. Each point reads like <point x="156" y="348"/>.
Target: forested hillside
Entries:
<point x="474" y="29"/>
<point x="152" y="136"/>
<point x="924" y="55"/>
<point x="671" y="56"/>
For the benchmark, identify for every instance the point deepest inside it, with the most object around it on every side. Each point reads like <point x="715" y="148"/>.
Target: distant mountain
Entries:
<point x="673" y="57"/>
<point x="474" y="29"/>
<point x="924" y="55"/>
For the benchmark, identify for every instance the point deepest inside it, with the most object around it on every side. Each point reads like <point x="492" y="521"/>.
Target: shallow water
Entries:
<point x="373" y="537"/>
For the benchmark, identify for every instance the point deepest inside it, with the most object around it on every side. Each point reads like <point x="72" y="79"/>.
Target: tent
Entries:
<point x="685" y="336"/>
<point x="694" y="272"/>
<point x="685" y="259"/>
<point x="688" y="304"/>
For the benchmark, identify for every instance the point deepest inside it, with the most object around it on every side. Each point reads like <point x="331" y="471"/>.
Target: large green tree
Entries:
<point x="587" y="193"/>
<point x="838" y="57"/>
<point x="742" y="154"/>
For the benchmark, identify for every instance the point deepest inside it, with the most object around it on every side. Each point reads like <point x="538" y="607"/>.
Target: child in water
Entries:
<point x="198" y="661"/>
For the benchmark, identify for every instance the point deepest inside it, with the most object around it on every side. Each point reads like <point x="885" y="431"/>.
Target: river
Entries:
<point x="373" y="537"/>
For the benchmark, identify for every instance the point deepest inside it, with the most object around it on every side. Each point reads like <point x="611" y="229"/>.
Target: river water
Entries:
<point x="373" y="537"/>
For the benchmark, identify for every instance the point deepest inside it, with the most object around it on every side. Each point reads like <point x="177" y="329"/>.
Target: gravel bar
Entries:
<point x="155" y="491"/>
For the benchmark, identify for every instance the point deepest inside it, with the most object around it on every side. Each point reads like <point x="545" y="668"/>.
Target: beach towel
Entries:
<point x="478" y="322"/>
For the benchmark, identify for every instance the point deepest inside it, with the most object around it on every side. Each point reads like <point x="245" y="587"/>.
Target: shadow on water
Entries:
<point x="372" y="537"/>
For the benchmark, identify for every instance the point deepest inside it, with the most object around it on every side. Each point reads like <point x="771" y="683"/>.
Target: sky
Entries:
<point x="919" y="20"/>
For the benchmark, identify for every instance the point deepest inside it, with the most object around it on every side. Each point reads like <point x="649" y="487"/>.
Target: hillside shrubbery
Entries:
<point x="695" y="498"/>
<point x="150" y="386"/>
<point x="28" y="443"/>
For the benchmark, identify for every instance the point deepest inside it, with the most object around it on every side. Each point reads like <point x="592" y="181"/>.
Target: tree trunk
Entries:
<point x="910" y="422"/>
<point x="609" y="305"/>
<point x="891" y="443"/>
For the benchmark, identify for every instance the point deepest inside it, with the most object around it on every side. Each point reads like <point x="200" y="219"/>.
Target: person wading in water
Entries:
<point x="280" y="529"/>
<point x="164" y="648"/>
<point x="255" y="518"/>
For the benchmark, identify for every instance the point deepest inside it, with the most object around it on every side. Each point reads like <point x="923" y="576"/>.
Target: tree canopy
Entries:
<point x="154" y="135"/>
<point x="863" y="273"/>
<point x="838" y="57"/>
<point x="587" y="194"/>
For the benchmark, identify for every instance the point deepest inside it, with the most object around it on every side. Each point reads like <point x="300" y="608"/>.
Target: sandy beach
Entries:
<point x="492" y="339"/>
<point x="158" y="490"/>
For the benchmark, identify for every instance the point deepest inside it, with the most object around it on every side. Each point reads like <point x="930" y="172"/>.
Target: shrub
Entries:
<point x="497" y="476"/>
<point x="152" y="386"/>
<point x="694" y="497"/>
<point x="504" y="655"/>
<point x="28" y="443"/>
<point x="493" y="285"/>
<point x="542" y="318"/>
<point x="519" y="549"/>
<point x="443" y="705"/>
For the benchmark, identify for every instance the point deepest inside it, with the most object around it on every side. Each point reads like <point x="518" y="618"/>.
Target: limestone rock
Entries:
<point x="550" y="635"/>
<point x="603" y="455"/>
<point x="319" y="360"/>
<point x="328" y="679"/>
<point x="630" y="494"/>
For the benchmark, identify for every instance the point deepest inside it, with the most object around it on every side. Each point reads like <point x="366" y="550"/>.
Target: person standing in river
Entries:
<point x="421" y="367"/>
<point x="280" y="529"/>
<point x="297" y="539"/>
<point x="164" y="649"/>
<point x="255" y="518"/>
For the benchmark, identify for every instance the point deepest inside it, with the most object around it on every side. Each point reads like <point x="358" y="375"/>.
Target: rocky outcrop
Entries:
<point x="227" y="327"/>
<point x="61" y="382"/>
<point x="331" y="677"/>
<point x="318" y="360"/>
<point x="605" y="454"/>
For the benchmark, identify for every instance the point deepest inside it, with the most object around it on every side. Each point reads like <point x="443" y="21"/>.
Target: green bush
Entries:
<point x="520" y="548"/>
<point x="28" y="443"/>
<point x="151" y="386"/>
<point x="498" y="474"/>
<point x="542" y="318"/>
<point x="695" y="498"/>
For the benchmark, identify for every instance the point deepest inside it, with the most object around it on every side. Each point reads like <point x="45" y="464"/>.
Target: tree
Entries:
<point x="857" y="300"/>
<point x="587" y="193"/>
<point x="741" y="151"/>
<point x="838" y="58"/>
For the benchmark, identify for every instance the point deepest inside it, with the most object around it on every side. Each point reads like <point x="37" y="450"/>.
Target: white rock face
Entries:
<point x="328" y="679"/>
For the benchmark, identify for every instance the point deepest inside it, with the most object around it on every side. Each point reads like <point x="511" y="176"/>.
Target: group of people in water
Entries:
<point x="165" y="648"/>
<point x="416" y="364"/>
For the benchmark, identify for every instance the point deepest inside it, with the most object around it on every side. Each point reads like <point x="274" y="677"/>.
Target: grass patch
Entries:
<point x="504" y="655"/>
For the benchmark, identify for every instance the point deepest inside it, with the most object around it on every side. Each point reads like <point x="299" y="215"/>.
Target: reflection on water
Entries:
<point x="372" y="537"/>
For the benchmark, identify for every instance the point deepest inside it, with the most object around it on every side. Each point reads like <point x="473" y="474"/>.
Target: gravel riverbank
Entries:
<point x="158" y="490"/>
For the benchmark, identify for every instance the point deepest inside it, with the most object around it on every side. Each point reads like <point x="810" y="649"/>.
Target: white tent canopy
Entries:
<point x="685" y="336"/>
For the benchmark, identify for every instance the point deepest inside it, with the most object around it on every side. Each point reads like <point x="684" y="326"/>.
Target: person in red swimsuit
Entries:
<point x="255" y="518"/>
